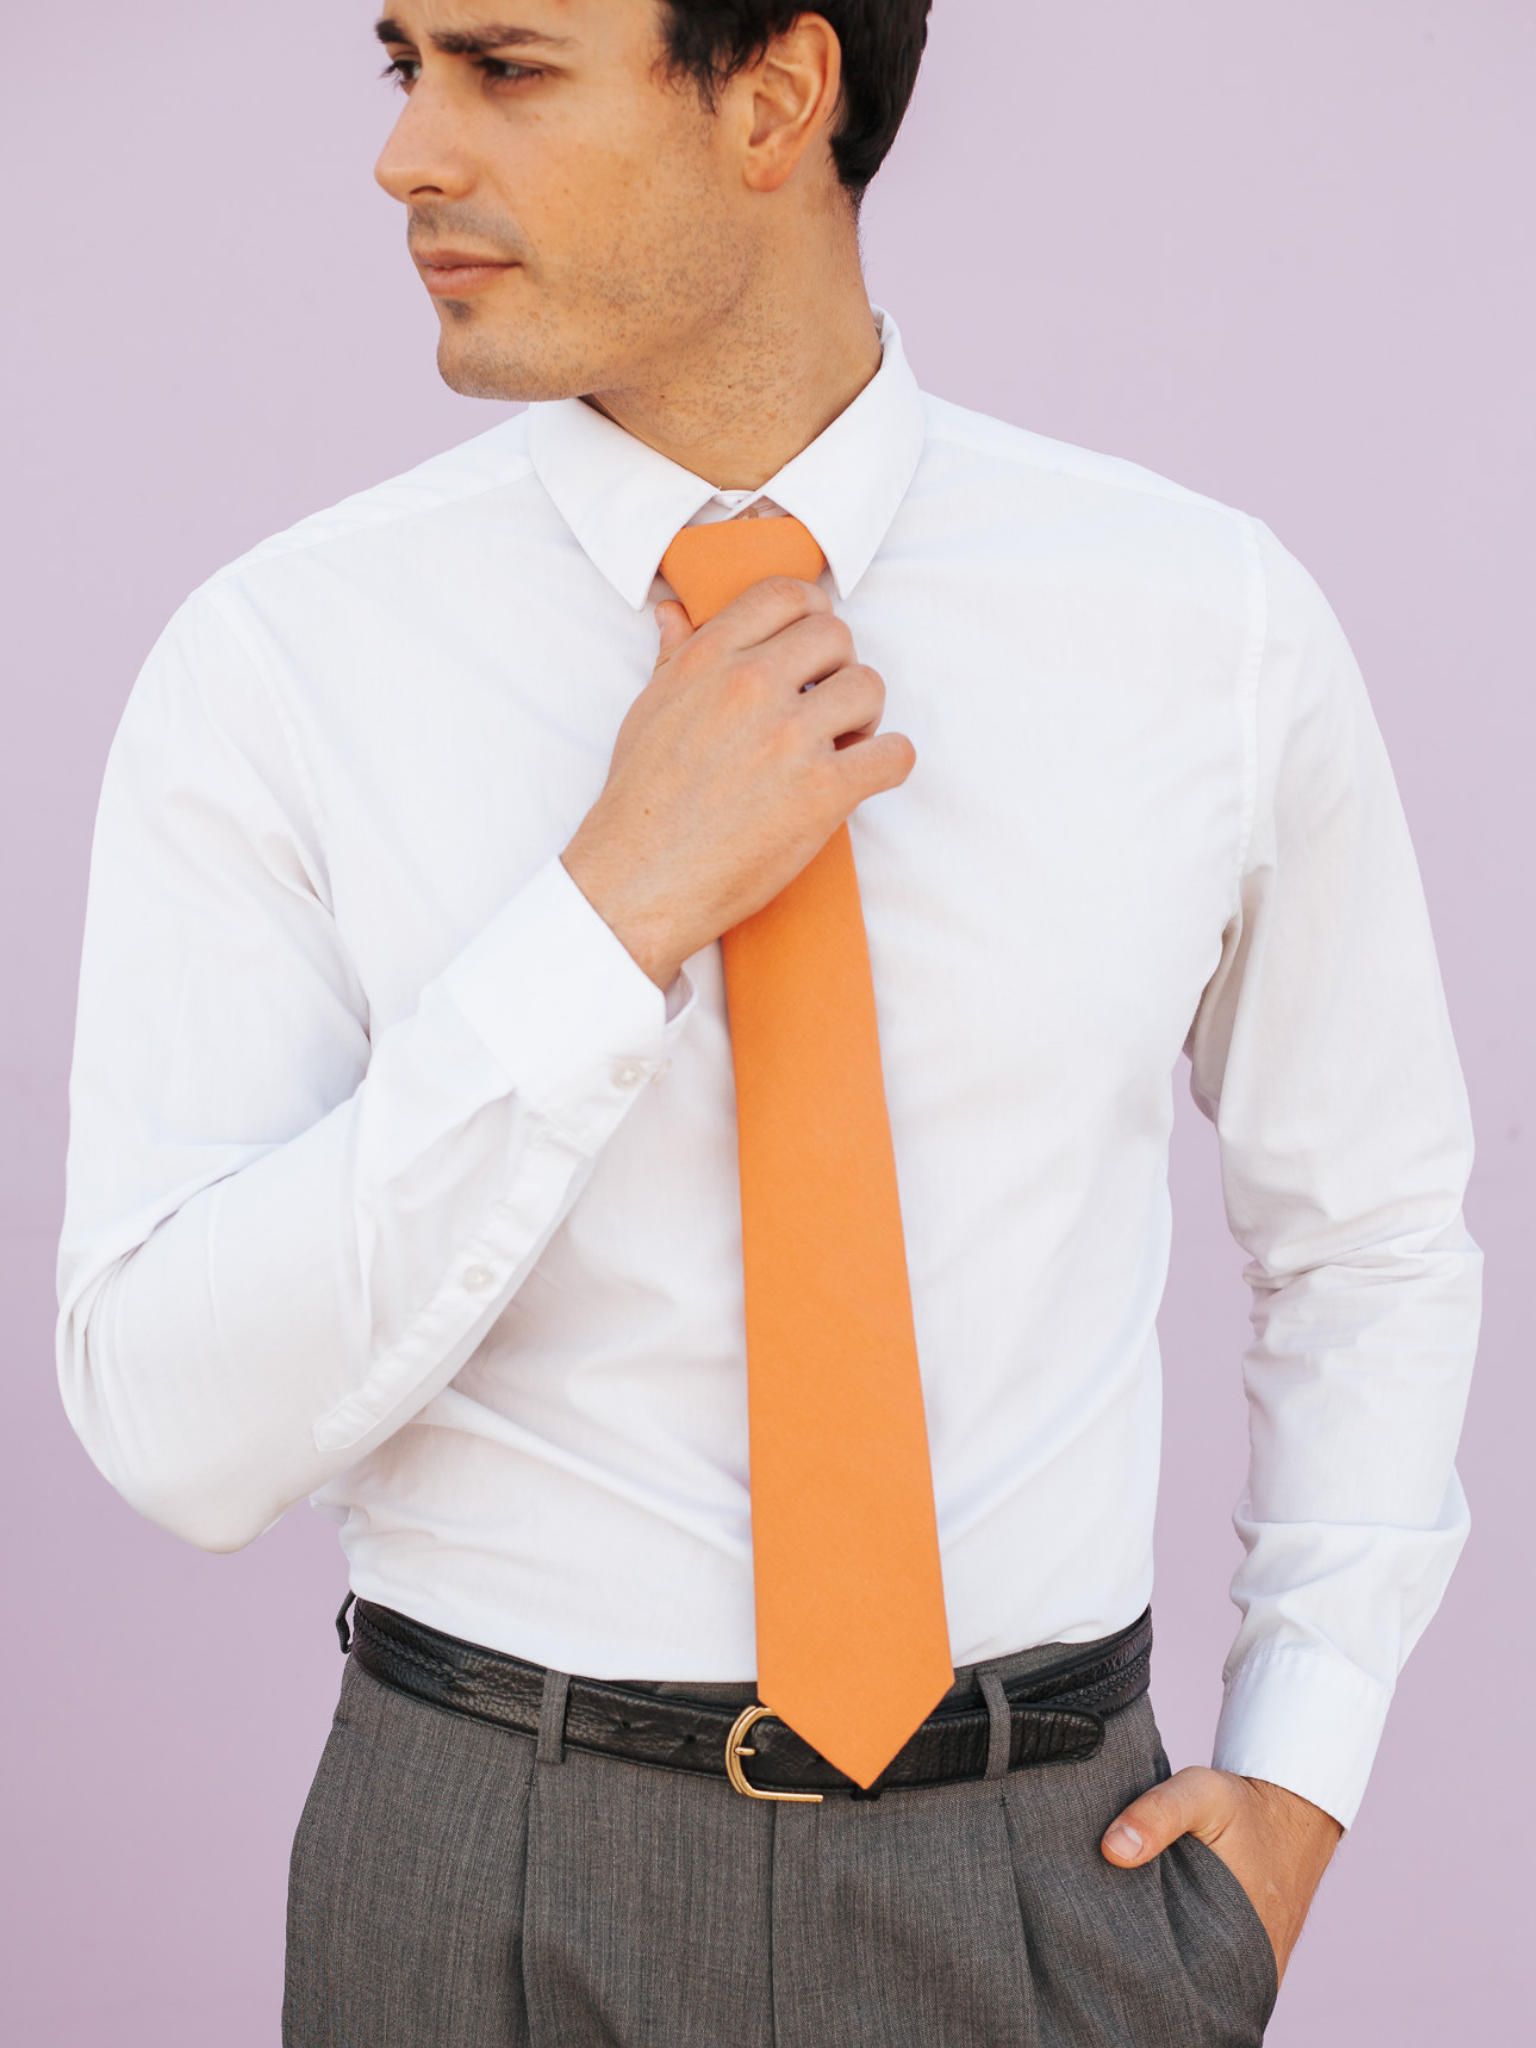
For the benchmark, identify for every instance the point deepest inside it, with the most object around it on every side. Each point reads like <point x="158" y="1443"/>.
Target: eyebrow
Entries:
<point x="473" y="42"/>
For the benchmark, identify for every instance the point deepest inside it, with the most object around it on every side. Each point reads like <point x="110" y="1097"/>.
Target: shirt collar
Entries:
<point x="624" y="501"/>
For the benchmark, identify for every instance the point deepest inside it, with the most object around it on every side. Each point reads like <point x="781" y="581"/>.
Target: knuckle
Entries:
<point x="784" y="743"/>
<point x="821" y="775"/>
<point x="694" y="656"/>
<point x="1156" y="1810"/>
<point x="750" y="676"/>
<point x="870" y="767"/>
<point x="826" y="787"/>
<point x="1202" y="1790"/>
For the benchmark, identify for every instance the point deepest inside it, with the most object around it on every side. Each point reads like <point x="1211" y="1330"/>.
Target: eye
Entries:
<point x="402" y="71"/>
<point x="503" y="71"/>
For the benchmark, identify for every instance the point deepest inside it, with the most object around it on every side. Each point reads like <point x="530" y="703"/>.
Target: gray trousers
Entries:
<point x="458" y="1886"/>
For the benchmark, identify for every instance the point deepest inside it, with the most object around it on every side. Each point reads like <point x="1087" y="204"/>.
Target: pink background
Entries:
<point x="1280" y="252"/>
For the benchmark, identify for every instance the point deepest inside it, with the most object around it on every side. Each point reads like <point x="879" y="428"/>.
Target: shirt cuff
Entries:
<point x="574" y="1023"/>
<point x="1306" y="1720"/>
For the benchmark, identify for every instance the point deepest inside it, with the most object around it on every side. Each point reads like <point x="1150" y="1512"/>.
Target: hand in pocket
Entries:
<point x="1276" y="1844"/>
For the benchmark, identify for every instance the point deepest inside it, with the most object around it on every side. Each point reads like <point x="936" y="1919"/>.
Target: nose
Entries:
<point x="425" y="156"/>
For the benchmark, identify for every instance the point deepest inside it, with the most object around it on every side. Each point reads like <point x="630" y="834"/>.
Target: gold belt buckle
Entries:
<point x="735" y="1750"/>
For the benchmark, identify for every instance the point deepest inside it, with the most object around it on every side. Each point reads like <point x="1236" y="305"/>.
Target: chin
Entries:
<point x="480" y="364"/>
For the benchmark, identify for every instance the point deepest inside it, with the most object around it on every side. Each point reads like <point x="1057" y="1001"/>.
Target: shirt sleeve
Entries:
<point x="1322" y="1051"/>
<point x="285" y="1233"/>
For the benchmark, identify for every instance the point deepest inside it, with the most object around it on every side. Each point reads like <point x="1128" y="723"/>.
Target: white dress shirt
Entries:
<point x="394" y="1181"/>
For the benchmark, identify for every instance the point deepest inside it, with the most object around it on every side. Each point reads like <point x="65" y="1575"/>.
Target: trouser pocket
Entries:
<point x="1171" y="1955"/>
<point x="405" y="1898"/>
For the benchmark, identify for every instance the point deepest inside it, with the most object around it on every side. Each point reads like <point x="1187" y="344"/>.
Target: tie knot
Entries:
<point x="709" y="566"/>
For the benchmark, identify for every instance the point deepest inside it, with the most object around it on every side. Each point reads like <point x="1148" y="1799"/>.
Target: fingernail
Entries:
<point x="1123" y="1841"/>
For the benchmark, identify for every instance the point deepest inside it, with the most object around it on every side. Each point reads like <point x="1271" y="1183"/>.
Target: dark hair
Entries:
<point x="711" y="40"/>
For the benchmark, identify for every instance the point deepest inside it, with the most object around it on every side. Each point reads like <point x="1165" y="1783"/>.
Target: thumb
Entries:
<point x="676" y="627"/>
<point x="1192" y="1802"/>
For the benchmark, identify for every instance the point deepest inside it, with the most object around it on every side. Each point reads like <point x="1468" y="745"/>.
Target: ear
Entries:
<point x="787" y="103"/>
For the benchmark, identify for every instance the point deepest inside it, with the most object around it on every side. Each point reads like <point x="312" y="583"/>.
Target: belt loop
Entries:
<point x="999" y="1723"/>
<point x="557" y="1686"/>
<point x="342" y="1635"/>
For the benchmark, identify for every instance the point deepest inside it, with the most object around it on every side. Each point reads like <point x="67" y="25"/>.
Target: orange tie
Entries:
<point x="852" y="1643"/>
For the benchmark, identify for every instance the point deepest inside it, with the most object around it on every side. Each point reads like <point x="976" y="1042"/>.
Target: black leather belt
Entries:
<point x="1054" y="1715"/>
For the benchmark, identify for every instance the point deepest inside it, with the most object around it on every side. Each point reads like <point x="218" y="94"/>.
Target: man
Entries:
<point x="523" y="968"/>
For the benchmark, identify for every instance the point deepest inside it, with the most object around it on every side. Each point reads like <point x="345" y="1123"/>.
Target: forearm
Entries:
<point x="262" y="1330"/>
<point x="1323" y="1051"/>
<point x="270" y="1331"/>
<point x="1353" y="1518"/>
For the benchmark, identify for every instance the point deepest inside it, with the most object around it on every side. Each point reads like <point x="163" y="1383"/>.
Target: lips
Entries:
<point x="449" y="273"/>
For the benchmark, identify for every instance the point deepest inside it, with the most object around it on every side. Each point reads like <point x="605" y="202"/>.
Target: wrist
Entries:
<point x="1295" y="1811"/>
<point x="644" y="931"/>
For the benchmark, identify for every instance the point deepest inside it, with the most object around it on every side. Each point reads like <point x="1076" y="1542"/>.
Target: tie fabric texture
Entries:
<point x="852" y="1641"/>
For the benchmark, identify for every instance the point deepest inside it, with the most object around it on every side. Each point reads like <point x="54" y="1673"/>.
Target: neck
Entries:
<point x="744" y="395"/>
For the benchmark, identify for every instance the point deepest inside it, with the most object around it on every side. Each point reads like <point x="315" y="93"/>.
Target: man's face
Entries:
<point x="574" y="211"/>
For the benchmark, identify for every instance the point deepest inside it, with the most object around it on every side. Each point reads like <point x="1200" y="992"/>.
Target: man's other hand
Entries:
<point x="1275" y="1843"/>
<point x="754" y="739"/>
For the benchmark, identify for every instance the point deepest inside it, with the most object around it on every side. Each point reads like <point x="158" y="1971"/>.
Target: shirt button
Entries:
<point x="479" y="1278"/>
<point x="628" y="1074"/>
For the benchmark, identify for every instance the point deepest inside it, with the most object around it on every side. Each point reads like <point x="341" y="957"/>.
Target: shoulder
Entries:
<point x="375" y="527"/>
<point x="963" y="436"/>
<point x="335" y="583"/>
<point x="1117" y="532"/>
<point x="1078" y="490"/>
